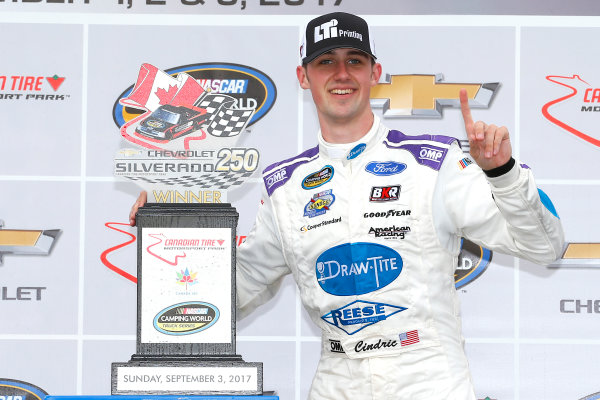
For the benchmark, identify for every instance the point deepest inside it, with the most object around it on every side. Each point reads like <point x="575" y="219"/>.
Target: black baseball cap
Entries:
<point x="334" y="31"/>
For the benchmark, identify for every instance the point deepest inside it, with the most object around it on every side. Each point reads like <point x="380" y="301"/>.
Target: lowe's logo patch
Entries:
<point x="385" y="168"/>
<point x="357" y="268"/>
<point x="359" y="314"/>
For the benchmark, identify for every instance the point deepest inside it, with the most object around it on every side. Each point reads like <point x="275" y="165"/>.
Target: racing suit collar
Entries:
<point x="349" y="151"/>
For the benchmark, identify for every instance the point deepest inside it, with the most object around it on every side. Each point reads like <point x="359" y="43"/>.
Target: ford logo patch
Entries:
<point x="357" y="268"/>
<point x="385" y="168"/>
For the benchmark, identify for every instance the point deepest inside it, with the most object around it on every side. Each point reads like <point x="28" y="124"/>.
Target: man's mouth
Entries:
<point x="341" y="91"/>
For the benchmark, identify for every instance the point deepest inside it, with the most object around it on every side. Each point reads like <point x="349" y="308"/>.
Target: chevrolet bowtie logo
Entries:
<point x="26" y="242"/>
<point x="424" y="95"/>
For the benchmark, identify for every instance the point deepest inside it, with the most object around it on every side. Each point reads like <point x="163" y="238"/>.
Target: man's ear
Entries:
<point x="376" y="74"/>
<point x="302" y="77"/>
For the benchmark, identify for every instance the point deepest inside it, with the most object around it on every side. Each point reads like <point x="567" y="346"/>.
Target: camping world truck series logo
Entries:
<point x="184" y="124"/>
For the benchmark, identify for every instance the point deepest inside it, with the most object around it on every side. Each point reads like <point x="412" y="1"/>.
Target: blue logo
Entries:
<point x="186" y="318"/>
<point x="14" y="389"/>
<point x="318" y="178"/>
<point x="359" y="148"/>
<point x="357" y="268"/>
<point x="319" y="204"/>
<point x="472" y="262"/>
<point x="385" y="168"/>
<point x="359" y="314"/>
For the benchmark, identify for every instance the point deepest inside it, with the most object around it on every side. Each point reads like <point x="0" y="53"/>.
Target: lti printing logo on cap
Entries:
<point x="11" y="389"/>
<point x="359" y="314"/>
<point x="418" y="96"/>
<point x="357" y="268"/>
<point x="31" y="87"/>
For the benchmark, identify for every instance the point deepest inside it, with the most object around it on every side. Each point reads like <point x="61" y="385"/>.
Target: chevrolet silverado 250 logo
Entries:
<point x="418" y="96"/>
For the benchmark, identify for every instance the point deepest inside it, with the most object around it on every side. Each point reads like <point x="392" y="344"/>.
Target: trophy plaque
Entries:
<point x="186" y="306"/>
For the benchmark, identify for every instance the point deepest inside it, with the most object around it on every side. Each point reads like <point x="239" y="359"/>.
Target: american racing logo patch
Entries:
<point x="390" y="232"/>
<point x="385" y="193"/>
<point x="359" y="314"/>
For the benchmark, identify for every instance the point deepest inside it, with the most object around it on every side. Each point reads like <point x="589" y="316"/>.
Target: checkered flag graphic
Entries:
<point x="229" y="122"/>
<point x="224" y="119"/>
<point x="213" y="102"/>
<point x="217" y="180"/>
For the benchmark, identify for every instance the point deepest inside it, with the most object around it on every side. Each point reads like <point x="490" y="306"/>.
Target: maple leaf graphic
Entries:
<point x="165" y="96"/>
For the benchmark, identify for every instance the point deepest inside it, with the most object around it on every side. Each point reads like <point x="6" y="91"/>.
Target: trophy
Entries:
<point x="187" y="157"/>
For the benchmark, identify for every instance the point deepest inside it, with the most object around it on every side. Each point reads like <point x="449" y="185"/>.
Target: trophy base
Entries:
<point x="187" y="375"/>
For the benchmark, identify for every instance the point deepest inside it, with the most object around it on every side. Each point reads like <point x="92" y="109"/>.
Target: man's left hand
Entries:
<point x="489" y="144"/>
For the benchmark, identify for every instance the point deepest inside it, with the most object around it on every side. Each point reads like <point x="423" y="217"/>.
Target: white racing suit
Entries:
<point x="371" y="233"/>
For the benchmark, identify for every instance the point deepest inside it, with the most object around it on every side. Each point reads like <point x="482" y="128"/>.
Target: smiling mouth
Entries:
<point x="341" y="91"/>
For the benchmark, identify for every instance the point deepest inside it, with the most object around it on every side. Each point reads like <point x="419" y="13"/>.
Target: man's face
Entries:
<point x="340" y="82"/>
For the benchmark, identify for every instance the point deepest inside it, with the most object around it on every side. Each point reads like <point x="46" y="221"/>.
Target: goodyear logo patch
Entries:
<point x="356" y="316"/>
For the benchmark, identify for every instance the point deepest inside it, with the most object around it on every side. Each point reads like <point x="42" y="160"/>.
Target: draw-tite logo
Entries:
<point x="577" y="109"/>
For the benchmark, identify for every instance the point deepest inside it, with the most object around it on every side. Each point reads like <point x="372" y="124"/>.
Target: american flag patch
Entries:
<point x="465" y="162"/>
<point x="408" y="338"/>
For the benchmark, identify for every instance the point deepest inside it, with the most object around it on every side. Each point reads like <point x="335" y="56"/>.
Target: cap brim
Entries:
<point x="308" y="59"/>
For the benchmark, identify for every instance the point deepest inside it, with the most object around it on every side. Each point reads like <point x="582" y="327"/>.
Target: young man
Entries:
<point x="369" y="223"/>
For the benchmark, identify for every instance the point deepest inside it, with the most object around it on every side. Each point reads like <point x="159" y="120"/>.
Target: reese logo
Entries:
<point x="186" y="318"/>
<point x="359" y="314"/>
<point x="357" y="268"/>
<point x="318" y="178"/>
<point x="385" y="193"/>
<point x="385" y="168"/>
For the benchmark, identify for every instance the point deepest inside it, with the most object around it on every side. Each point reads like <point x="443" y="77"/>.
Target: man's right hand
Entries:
<point x="141" y="200"/>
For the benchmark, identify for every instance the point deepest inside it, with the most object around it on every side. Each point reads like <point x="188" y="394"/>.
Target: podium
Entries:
<point x="186" y="333"/>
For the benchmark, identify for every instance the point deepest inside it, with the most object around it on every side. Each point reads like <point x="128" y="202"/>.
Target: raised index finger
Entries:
<point x="466" y="110"/>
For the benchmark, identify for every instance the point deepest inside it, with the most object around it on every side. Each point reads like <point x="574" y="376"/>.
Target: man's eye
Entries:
<point x="325" y="61"/>
<point x="354" y="61"/>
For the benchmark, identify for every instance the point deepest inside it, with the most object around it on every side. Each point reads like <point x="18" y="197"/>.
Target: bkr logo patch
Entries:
<point x="385" y="193"/>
